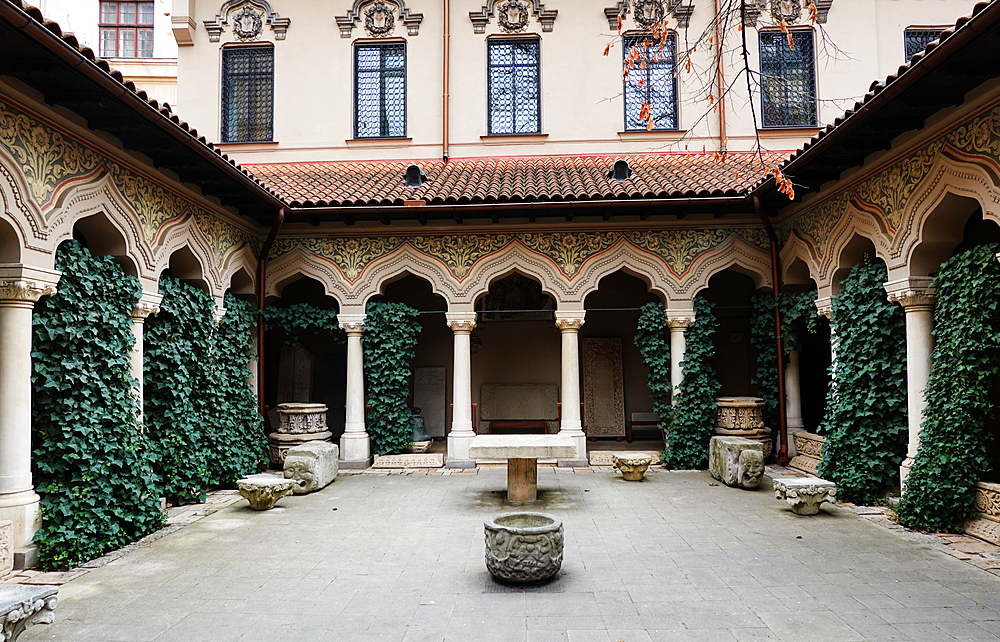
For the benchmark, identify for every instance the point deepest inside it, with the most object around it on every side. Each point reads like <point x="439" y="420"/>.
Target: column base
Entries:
<point x="460" y="463"/>
<point x="355" y="447"/>
<point x="904" y="472"/>
<point x="359" y="464"/>
<point x="458" y="445"/>
<point x="22" y="511"/>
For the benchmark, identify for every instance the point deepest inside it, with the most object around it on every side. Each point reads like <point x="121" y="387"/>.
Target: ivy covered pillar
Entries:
<point x="570" y="425"/>
<point x="917" y="297"/>
<point x="355" y="448"/>
<point x="20" y="288"/>
<point x="147" y="304"/>
<point x="461" y="433"/>
<point x="677" y="321"/>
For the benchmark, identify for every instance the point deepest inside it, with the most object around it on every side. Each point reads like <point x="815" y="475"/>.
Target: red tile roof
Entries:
<point x="515" y="179"/>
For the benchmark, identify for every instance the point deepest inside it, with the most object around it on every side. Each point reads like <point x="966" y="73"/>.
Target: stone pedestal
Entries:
<point x="264" y="491"/>
<point x="805" y="494"/>
<point x="633" y="468"/>
<point x="736" y="461"/>
<point x="298" y="423"/>
<point x="809" y="452"/>
<point x="743" y="417"/>
<point x="312" y="466"/>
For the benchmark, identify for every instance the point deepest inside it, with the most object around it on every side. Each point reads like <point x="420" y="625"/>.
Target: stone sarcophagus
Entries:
<point x="808" y="452"/>
<point x="298" y="423"/>
<point x="986" y="524"/>
<point x="743" y="417"/>
<point x="312" y="465"/>
<point x="736" y="461"/>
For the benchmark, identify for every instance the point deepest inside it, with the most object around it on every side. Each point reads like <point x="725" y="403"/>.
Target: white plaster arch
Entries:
<point x="242" y="259"/>
<point x="300" y="263"/>
<point x="796" y="248"/>
<point x="628" y="258"/>
<point x="515" y="257"/>
<point x="947" y="179"/>
<point x="101" y="197"/>
<point x="188" y="235"/>
<point x="19" y="209"/>
<point x="853" y="223"/>
<point x="734" y="253"/>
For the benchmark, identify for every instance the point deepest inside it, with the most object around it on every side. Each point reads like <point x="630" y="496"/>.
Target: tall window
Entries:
<point x="915" y="40"/>
<point x="654" y="83"/>
<point x="126" y="29"/>
<point x="514" y="86"/>
<point x="380" y="90"/>
<point x="787" y="79"/>
<point x="247" y="94"/>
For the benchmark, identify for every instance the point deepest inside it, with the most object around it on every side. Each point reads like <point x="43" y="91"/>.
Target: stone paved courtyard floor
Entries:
<point x="400" y="558"/>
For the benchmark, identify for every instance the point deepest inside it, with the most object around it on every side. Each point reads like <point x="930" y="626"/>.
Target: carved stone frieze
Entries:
<point x="23" y="606"/>
<point x="743" y="417"/>
<point x="21" y="291"/>
<point x="809" y="452"/>
<point x="379" y="17"/>
<point x="482" y="17"/>
<point x="987" y="524"/>
<point x="247" y="21"/>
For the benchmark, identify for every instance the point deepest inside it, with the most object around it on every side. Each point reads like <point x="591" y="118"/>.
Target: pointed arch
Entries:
<point x="187" y="234"/>
<point x="797" y="249"/>
<point x="853" y="223"/>
<point x="735" y="253"/>
<point x="242" y="261"/>
<point x="626" y="257"/>
<point x="24" y="217"/>
<point x="301" y="263"/>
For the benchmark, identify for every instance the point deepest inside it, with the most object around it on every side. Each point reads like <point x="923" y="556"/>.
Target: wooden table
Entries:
<point x="522" y="453"/>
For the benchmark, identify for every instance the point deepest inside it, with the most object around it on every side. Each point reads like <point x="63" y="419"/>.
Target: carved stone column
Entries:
<point x="918" y="299"/>
<point x="20" y="287"/>
<point x="148" y="304"/>
<point x="355" y="447"/>
<point x="461" y="433"/>
<point x="569" y="323"/>
<point x="793" y="400"/>
<point x="824" y="305"/>
<point x="677" y="321"/>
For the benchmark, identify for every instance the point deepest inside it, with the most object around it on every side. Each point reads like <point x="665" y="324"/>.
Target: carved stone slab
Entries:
<point x="429" y="394"/>
<point x="22" y="606"/>
<point x="521" y="447"/>
<point x="805" y="494"/>
<point x="603" y="387"/>
<point x="607" y="457"/>
<point x="312" y="466"/>
<point x="987" y="525"/>
<point x="6" y="547"/>
<point x="410" y="460"/>
<point x="519" y="402"/>
<point x="736" y="461"/>
<point x="809" y="449"/>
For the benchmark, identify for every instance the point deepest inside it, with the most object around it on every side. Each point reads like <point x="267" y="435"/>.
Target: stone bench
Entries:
<point x="805" y="494"/>
<point x="23" y="605"/>
<point x="522" y="453"/>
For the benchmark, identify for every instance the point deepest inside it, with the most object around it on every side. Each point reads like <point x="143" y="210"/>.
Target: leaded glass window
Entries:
<point x="514" y="86"/>
<point x="380" y="90"/>
<point x="915" y="40"/>
<point x="787" y="79"/>
<point x="654" y="84"/>
<point x="247" y="94"/>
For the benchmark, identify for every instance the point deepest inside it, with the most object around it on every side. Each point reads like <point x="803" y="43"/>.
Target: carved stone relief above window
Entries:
<point x="380" y="18"/>
<point x="790" y="11"/>
<point x="646" y="13"/>
<point x="511" y="13"/>
<point x="247" y="18"/>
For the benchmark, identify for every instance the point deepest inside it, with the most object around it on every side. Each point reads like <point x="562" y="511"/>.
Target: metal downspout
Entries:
<point x="776" y="284"/>
<point x="261" y="289"/>
<point x="445" y="82"/>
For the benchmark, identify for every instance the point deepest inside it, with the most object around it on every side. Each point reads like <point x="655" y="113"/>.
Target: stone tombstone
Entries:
<point x="295" y="369"/>
<point x="743" y="417"/>
<point x="736" y="461"/>
<point x="298" y="423"/>
<point x="603" y="387"/>
<point x="263" y="491"/>
<point x="430" y="395"/>
<point x="312" y="465"/>
<point x="6" y="547"/>
<point x="520" y="402"/>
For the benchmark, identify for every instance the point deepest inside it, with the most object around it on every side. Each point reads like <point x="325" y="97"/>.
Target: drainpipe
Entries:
<point x="261" y="265"/>
<point x="720" y="79"/>
<point x="445" y="81"/>
<point x="776" y="282"/>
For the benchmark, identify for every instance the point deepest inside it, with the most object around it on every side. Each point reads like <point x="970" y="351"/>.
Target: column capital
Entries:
<point x="461" y="322"/>
<point x="26" y="284"/>
<point x="352" y="324"/>
<point x="570" y="321"/>
<point x="679" y="319"/>
<point x="824" y="305"/>
<point x="913" y="293"/>
<point x="146" y="305"/>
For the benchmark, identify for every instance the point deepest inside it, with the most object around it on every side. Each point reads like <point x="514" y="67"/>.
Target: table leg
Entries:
<point x="522" y="480"/>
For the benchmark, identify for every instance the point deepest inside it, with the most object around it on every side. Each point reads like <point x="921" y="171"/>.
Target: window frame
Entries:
<point x="491" y="42"/>
<point x="229" y="50"/>
<point x="626" y="48"/>
<point x="815" y="80"/>
<point x="908" y="30"/>
<point x="369" y="44"/>
<point x="119" y="28"/>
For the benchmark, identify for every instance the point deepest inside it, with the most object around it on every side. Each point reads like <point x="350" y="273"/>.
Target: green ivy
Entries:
<point x="694" y="415"/>
<point x="798" y="315"/>
<point x="653" y="341"/>
<point x="92" y="464"/>
<point x="302" y="320"/>
<point x="390" y="338"/>
<point x="952" y="455"/>
<point x="865" y="422"/>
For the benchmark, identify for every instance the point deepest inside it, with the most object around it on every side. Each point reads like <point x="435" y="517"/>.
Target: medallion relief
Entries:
<point x="248" y="23"/>
<point x="513" y="16"/>
<point x="379" y="20"/>
<point x="788" y="10"/>
<point x="247" y="18"/>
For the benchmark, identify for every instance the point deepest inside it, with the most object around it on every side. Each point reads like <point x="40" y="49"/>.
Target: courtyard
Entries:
<point x="400" y="558"/>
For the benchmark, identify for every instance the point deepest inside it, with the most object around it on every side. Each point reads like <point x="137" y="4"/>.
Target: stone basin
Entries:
<point x="523" y="547"/>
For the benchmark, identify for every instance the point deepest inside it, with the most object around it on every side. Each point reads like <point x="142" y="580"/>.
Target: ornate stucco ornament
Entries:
<point x="788" y="10"/>
<point x="248" y="23"/>
<point x="513" y="16"/>
<point x="379" y="19"/>
<point x="648" y="12"/>
<point x="512" y="12"/>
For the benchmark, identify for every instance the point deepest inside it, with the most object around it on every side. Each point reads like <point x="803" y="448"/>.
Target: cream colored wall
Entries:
<point x="582" y="109"/>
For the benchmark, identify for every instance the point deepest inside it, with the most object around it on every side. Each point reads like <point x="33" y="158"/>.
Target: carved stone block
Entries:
<point x="736" y="461"/>
<point x="805" y="494"/>
<point x="312" y="466"/>
<point x="6" y="547"/>
<point x="743" y="417"/>
<point x="632" y="468"/>
<point x="987" y="525"/>
<point x="23" y="605"/>
<point x="263" y="491"/>
<point x="524" y="548"/>
<point x="298" y="423"/>
<point x="603" y="387"/>
<point x="809" y="452"/>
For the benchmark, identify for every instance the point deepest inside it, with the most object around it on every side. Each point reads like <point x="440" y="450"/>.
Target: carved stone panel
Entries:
<point x="987" y="523"/>
<point x="519" y="402"/>
<point x="429" y="394"/>
<point x="603" y="387"/>
<point x="6" y="547"/>
<point x="295" y="368"/>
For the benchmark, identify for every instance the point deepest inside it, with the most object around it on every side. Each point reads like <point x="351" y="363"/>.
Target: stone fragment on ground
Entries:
<point x="263" y="491"/>
<point x="313" y="466"/>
